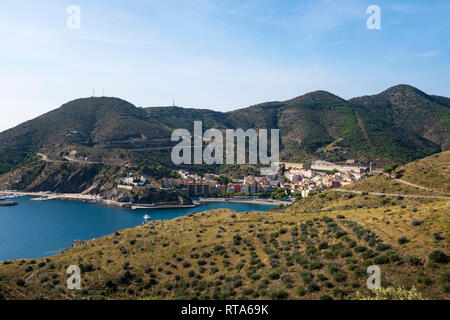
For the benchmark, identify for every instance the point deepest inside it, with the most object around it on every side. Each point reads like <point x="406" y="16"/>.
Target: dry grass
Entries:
<point x="432" y="172"/>
<point x="169" y="248"/>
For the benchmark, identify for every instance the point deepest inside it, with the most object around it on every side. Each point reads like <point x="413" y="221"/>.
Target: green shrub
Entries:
<point x="278" y="295"/>
<point x="412" y="260"/>
<point x="340" y="276"/>
<point x="437" y="236"/>
<point x="383" y="247"/>
<point x="274" y="275"/>
<point x="20" y="282"/>
<point x="445" y="287"/>
<point x="382" y="259"/>
<point x="312" y="287"/>
<point x="439" y="256"/>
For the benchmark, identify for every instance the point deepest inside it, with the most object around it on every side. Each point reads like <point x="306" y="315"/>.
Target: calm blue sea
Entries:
<point x="36" y="229"/>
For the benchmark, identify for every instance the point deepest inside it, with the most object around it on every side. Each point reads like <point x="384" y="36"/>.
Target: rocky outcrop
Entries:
<point x="78" y="243"/>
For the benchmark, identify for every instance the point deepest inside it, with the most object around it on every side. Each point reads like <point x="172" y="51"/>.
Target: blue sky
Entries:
<point x="216" y="54"/>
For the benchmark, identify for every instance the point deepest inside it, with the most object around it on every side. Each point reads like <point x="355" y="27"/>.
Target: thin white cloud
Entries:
<point x="429" y="54"/>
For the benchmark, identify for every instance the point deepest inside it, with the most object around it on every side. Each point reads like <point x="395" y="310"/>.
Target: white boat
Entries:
<point x="146" y="217"/>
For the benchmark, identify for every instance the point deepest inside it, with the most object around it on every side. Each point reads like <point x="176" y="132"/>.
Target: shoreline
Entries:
<point x="43" y="196"/>
<point x="249" y="201"/>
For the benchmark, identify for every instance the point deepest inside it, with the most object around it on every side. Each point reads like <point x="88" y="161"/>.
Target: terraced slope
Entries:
<point x="260" y="255"/>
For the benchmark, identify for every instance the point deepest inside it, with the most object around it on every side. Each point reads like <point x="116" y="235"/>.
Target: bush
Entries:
<point x="382" y="259"/>
<point x="338" y="292"/>
<point x="123" y="250"/>
<point x="148" y="270"/>
<point x="340" y="276"/>
<point x="312" y="287"/>
<point x="111" y="286"/>
<point x="402" y="240"/>
<point x="301" y="291"/>
<point x="383" y="247"/>
<point x="201" y="262"/>
<point x="439" y="256"/>
<point x="368" y="254"/>
<point x="346" y="253"/>
<point x="445" y="287"/>
<point x="278" y="295"/>
<point x="323" y="245"/>
<point x="445" y="277"/>
<point x="412" y="260"/>
<point x="306" y="276"/>
<point x="274" y="275"/>
<point x="437" y="236"/>
<point x="20" y="282"/>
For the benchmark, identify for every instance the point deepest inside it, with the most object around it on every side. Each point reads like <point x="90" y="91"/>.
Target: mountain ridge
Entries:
<point x="316" y="125"/>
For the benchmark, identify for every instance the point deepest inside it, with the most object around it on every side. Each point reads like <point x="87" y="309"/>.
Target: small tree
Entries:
<point x="390" y="169"/>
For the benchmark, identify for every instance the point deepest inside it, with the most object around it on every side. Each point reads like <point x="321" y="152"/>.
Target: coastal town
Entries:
<point x="282" y="186"/>
<point x="292" y="180"/>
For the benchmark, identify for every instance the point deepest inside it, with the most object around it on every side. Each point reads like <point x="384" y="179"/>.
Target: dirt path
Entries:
<point x="394" y="194"/>
<point x="46" y="159"/>
<point x="415" y="185"/>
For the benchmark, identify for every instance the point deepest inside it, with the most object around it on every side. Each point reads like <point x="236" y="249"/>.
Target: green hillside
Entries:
<point x="397" y="125"/>
<point x="409" y="108"/>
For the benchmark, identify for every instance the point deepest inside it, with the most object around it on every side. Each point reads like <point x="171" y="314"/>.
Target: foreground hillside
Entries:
<point x="282" y="254"/>
<point x="432" y="172"/>
<point x="427" y="176"/>
<point x="317" y="248"/>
